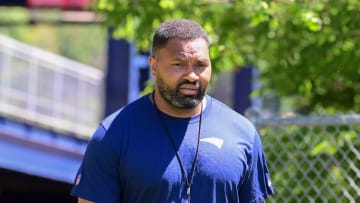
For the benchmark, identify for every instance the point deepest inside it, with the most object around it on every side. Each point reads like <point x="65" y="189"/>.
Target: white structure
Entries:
<point x="44" y="89"/>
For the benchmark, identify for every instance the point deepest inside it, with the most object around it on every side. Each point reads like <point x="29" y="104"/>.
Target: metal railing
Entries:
<point x="313" y="158"/>
<point x="45" y="89"/>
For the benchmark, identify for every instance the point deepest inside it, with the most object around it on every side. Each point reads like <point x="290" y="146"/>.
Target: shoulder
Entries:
<point x="222" y="111"/>
<point x="232" y="122"/>
<point x="119" y="119"/>
<point x="127" y="112"/>
<point x="111" y="130"/>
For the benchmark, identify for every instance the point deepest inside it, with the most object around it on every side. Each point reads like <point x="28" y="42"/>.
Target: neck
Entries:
<point x="171" y="110"/>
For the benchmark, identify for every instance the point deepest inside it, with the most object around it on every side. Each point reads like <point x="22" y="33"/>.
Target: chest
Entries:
<point x="148" y="159"/>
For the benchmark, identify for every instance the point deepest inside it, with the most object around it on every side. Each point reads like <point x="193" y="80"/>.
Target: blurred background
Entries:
<point x="292" y="67"/>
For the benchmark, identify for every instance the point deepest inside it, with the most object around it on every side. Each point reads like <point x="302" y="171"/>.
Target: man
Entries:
<point x="176" y="144"/>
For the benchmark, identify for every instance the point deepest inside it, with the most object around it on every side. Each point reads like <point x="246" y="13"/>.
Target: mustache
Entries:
<point x="186" y="82"/>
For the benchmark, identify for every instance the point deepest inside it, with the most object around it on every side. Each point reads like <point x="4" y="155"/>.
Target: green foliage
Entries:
<point x="16" y="15"/>
<point x="84" y="43"/>
<point x="303" y="48"/>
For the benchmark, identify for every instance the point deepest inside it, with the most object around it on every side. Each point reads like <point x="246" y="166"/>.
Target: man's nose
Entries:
<point x="191" y="74"/>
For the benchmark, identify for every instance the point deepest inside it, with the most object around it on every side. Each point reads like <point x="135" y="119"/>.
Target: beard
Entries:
<point x="177" y="99"/>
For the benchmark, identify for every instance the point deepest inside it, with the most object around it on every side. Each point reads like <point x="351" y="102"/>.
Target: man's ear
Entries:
<point x="152" y="64"/>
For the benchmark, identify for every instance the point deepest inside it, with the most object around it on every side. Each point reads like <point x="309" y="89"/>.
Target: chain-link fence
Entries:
<point x="313" y="159"/>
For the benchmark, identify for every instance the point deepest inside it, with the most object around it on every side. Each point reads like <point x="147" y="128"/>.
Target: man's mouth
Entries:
<point x="188" y="89"/>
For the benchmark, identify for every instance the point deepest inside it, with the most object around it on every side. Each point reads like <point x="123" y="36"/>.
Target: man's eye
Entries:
<point x="177" y="64"/>
<point x="202" y="65"/>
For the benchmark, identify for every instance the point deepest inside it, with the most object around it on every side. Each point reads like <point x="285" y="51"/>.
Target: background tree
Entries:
<point x="305" y="49"/>
<point x="85" y="43"/>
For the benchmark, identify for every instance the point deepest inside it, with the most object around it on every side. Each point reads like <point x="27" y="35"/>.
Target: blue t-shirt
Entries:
<point x="131" y="159"/>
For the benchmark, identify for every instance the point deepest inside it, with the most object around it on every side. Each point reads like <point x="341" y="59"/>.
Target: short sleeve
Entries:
<point x="97" y="178"/>
<point x="257" y="185"/>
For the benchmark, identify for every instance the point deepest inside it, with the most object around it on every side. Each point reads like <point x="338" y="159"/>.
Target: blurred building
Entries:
<point x="49" y="106"/>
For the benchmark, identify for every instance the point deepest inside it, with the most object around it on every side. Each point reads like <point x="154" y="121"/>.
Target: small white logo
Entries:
<point x="213" y="140"/>
<point x="78" y="178"/>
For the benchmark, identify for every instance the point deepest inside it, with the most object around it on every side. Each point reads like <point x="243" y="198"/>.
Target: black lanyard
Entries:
<point x="188" y="182"/>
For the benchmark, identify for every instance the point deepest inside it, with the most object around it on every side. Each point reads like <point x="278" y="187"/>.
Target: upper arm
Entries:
<point x="257" y="185"/>
<point x="97" y="178"/>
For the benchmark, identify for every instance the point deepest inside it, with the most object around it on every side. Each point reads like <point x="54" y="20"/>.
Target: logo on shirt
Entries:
<point x="217" y="142"/>
<point x="78" y="178"/>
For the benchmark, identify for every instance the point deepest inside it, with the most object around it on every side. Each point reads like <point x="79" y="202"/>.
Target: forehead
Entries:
<point x="185" y="48"/>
